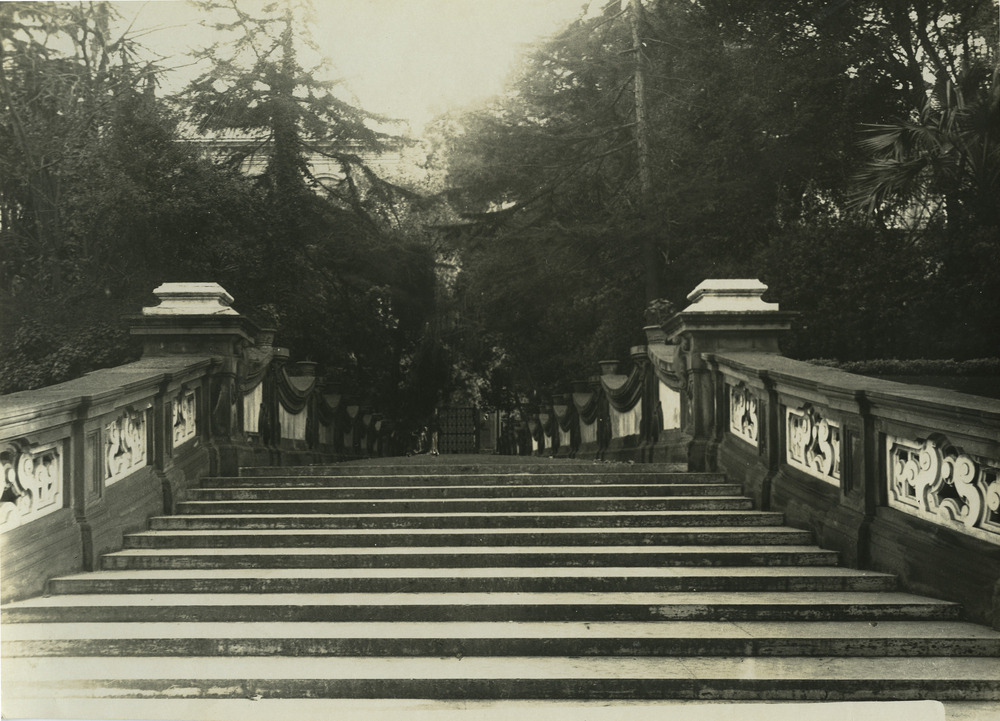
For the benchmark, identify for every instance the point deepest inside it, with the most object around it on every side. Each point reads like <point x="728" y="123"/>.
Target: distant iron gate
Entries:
<point x="466" y="429"/>
<point x="459" y="430"/>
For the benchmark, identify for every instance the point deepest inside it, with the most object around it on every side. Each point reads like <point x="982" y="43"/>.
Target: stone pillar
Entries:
<point x="191" y="319"/>
<point x="723" y="315"/>
<point x="195" y="319"/>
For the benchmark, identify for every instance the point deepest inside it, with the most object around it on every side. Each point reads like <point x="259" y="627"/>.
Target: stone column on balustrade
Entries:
<point x="196" y="319"/>
<point x="723" y="315"/>
<point x="640" y="356"/>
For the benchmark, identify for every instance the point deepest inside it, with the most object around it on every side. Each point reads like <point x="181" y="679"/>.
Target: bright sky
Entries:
<point x="409" y="59"/>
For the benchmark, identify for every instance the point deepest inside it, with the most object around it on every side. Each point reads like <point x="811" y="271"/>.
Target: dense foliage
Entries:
<point x="104" y="197"/>
<point x="845" y="153"/>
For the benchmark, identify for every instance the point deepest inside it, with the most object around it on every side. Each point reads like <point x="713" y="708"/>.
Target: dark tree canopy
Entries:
<point x="846" y="153"/>
<point x="756" y="113"/>
<point x="104" y="196"/>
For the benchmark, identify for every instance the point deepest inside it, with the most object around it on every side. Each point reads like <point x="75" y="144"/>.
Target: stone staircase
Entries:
<point x="470" y="579"/>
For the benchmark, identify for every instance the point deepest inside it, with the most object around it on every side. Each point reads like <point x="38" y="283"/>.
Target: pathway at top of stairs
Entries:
<point x="485" y="585"/>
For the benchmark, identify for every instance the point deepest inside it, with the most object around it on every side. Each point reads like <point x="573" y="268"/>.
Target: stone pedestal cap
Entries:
<point x="729" y="295"/>
<point x="191" y="299"/>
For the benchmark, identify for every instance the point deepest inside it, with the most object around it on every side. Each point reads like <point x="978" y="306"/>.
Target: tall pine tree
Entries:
<point x="335" y="271"/>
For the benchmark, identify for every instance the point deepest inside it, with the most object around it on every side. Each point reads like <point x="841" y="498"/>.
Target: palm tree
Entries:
<point x="945" y="160"/>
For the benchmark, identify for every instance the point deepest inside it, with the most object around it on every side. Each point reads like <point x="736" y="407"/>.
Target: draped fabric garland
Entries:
<point x="623" y="392"/>
<point x="293" y="391"/>
<point x="257" y="362"/>
<point x="536" y="430"/>
<point x="550" y="429"/>
<point x="548" y="423"/>
<point x="565" y="415"/>
<point x="592" y="409"/>
<point x="588" y="406"/>
<point x="328" y="408"/>
<point x="294" y="394"/>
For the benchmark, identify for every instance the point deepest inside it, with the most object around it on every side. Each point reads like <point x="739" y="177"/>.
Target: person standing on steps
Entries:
<point x="435" y="430"/>
<point x="420" y="441"/>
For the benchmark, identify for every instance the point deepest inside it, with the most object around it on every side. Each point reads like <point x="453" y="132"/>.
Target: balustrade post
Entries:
<point x="874" y="492"/>
<point x="647" y="404"/>
<point x="161" y="422"/>
<point x="80" y="483"/>
<point x="652" y="415"/>
<point x="196" y="319"/>
<point x="604" y="431"/>
<point x="719" y="417"/>
<point x="771" y="436"/>
<point x="724" y="315"/>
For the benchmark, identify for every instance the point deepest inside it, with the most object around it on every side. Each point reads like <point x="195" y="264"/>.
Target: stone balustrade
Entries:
<point x="896" y="477"/>
<point x="89" y="460"/>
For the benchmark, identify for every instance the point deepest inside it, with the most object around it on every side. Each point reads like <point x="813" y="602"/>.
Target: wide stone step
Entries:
<point x="471" y="505"/>
<point x="450" y="557"/>
<point x="417" y="709"/>
<point x="443" y="465"/>
<point x="577" y="519"/>
<point x="471" y="579"/>
<point x="479" y="580"/>
<point x="511" y="677"/>
<point x="669" y="638"/>
<point x="340" y="538"/>
<point x="630" y="475"/>
<point x="506" y="607"/>
<point x="427" y="491"/>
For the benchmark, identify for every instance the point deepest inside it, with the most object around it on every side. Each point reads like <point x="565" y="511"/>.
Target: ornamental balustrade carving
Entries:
<point x="813" y="443"/>
<point x="744" y="414"/>
<point x="32" y="483"/>
<point x="185" y="417"/>
<point x="933" y="480"/>
<point x="125" y="445"/>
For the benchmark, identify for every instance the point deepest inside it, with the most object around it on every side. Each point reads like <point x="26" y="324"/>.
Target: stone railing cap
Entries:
<point x="730" y="295"/>
<point x="191" y="299"/>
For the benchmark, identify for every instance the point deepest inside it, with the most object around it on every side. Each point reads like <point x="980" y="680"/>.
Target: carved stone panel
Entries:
<point x="125" y="445"/>
<point x="185" y="417"/>
<point x="813" y="443"/>
<point x="32" y="483"/>
<point x="931" y="479"/>
<point x="744" y="414"/>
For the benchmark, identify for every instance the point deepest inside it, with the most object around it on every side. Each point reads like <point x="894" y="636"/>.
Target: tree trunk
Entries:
<point x="650" y="254"/>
